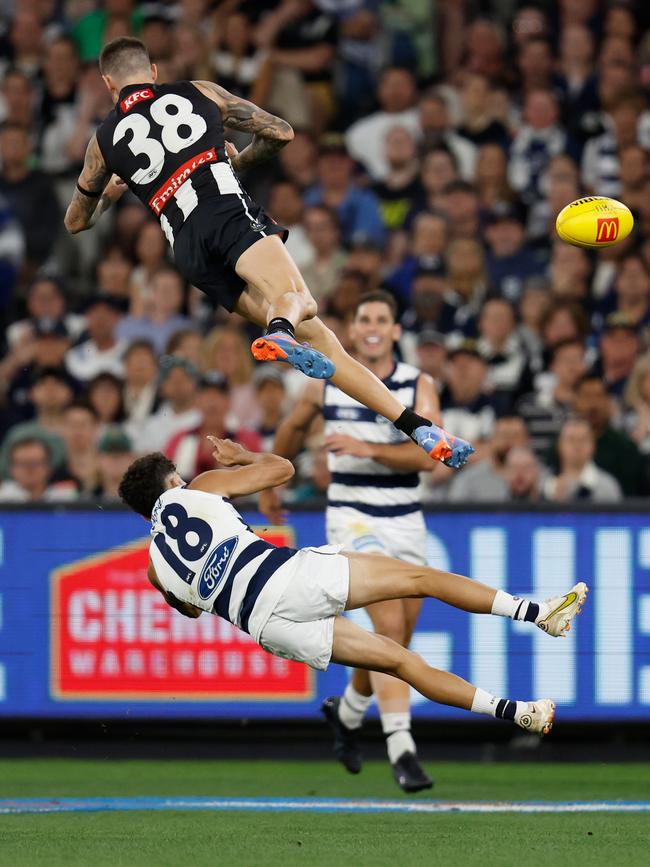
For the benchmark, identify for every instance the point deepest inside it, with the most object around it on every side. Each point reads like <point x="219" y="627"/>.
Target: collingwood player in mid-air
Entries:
<point x="374" y="505"/>
<point x="205" y="558"/>
<point x="166" y="143"/>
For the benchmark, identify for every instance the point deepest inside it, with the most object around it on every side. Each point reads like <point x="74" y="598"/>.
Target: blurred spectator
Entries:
<point x="625" y="126"/>
<point x="634" y="174"/>
<point x="615" y="452"/>
<point x="156" y="33"/>
<point x="105" y="394"/>
<point x="533" y="305"/>
<point x="523" y="476"/>
<point x="299" y="159"/>
<point x="356" y="208"/>
<point x="485" y="480"/>
<point x="58" y="109"/>
<point x="286" y="207"/>
<point x="150" y="254"/>
<point x="164" y="318"/>
<point x="630" y="295"/>
<point x="619" y="348"/>
<point x="26" y="41"/>
<point x="50" y="395"/>
<point x="236" y="59"/>
<point x="300" y="39"/>
<point x="579" y="477"/>
<point x="636" y="415"/>
<point x="140" y="382"/>
<point x="80" y="432"/>
<point x="510" y="261"/>
<point x="366" y="138"/>
<point x="430" y="309"/>
<point x="491" y="180"/>
<point x="538" y="140"/>
<point x="460" y="204"/>
<point x="17" y="97"/>
<point x="562" y="320"/>
<point x="466" y="409"/>
<point x="31" y="196"/>
<point x="46" y="346"/>
<point x="430" y="355"/>
<point x="467" y="281"/>
<point x="570" y="271"/>
<point x="186" y="344"/>
<point x="535" y="64"/>
<point x="115" y="456"/>
<point x="401" y="185"/>
<point x="427" y="243"/>
<point x="12" y="251"/>
<point x="479" y="125"/>
<point x="485" y="45"/>
<point x="102" y="351"/>
<point x="271" y="397"/>
<point x="501" y="348"/>
<point x="30" y="476"/>
<point x="226" y="351"/>
<point x="190" y="449"/>
<point x="436" y="130"/>
<point x="179" y="383"/>
<point x="546" y="409"/>
<point x="577" y="79"/>
<point x="114" y="279"/>
<point x="439" y="170"/>
<point x="91" y="31"/>
<point x="46" y="302"/>
<point x="328" y="258"/>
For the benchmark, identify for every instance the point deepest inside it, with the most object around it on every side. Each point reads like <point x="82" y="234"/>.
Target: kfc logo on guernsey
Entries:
<point x="133" y="98"/>
<point x="160" y="198"/>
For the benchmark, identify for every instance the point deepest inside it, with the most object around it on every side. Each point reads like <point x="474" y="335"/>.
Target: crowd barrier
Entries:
<point x="83" y="634"/>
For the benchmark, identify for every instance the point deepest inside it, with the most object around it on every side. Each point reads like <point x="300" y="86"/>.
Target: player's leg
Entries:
<point x="355" y="646"/>
<point x="374" y="578"/>
<point x="256" y="304"/>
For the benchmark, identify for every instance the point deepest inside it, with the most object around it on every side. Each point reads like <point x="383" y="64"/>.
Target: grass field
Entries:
<point x="173" y="839"/>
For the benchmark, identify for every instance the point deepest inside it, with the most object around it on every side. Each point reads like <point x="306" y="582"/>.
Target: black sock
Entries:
<point x="280" y="324"/>
<point x="409" y="421"/>
<point x="505" y="709"/>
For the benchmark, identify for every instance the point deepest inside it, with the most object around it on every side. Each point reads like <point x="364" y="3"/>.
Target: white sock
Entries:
<point x="500" y="708"/>
<point x="352" y="707"/>
<point x="397" y="728"/>
<point x="514" y="607"/>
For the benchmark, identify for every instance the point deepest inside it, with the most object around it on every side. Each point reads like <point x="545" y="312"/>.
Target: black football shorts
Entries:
<point x="213" y="238"/>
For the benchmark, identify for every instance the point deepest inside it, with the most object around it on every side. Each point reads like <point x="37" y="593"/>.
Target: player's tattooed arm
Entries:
<point x="95" y="179"/>
<point x="270" y="133"/>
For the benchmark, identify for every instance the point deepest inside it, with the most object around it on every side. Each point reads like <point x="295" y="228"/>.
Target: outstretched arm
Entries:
<point x="100" y="191"/>
<point x="251" y="471"/>
<point x="270" y="133"/>
<point x="185" y="608"/>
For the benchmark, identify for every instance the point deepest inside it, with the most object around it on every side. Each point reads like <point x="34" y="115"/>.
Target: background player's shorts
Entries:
<point x="302" y="624"/>
<point x="403" y="537"/>
<point x="213" y="238"/>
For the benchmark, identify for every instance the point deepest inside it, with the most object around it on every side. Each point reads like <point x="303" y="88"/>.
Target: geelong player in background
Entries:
<point x="205" y="558"/>
<point x="374" y="505"/>
<point x="166" y="143"/>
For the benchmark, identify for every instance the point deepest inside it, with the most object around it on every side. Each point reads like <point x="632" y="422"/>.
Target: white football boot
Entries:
<point x="537" y="716"/>
<point x="557" y="613"/>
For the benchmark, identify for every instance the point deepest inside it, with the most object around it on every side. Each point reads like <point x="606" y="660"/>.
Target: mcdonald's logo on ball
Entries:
<point x="594" y="221"/>
<point x="607" y="231"/>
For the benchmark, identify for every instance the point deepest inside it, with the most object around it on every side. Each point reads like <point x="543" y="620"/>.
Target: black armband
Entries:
<point x="88" y="192"/>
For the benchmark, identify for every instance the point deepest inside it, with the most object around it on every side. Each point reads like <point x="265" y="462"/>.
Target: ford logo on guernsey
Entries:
<point x="214" y="571"/>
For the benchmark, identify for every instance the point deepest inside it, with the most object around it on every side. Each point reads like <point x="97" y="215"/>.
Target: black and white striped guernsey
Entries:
<point x="205" y="554"/>
<point x="362" y="483"/>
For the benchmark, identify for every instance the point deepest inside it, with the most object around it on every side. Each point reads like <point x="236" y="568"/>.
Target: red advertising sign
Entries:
<point x="114" y="637"/>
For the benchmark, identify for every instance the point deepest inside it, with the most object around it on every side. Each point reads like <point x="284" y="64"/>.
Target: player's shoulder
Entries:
<point x="405" y="372"/>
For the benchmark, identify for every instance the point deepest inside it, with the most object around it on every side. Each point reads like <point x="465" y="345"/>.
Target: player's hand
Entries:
<point x="114" y="189"/>
<point x="270" y="506"/>
<point x="228" y="453"/>
<point x="340" y="444"/>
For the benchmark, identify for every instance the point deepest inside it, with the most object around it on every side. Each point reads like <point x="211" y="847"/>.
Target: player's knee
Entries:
<point x="394" y="656"/>
<point x="310" y="306"/>
<point x="391" y="627"/>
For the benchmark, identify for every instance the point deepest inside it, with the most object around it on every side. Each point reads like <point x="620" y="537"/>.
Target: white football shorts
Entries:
<point x="403" y="537"/>
<point x="301" y="626"/>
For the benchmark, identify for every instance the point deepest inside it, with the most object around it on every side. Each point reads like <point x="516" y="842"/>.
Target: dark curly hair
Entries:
<point x="144" y="482"/>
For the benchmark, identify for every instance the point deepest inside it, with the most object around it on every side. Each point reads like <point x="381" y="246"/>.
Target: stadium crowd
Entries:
<point x="435" y="142"/>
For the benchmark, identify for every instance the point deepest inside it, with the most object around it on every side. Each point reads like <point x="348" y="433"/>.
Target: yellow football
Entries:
<point x="594" y="221"/>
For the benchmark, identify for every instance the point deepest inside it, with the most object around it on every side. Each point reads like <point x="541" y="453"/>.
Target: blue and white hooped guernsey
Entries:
<point x="205" y="554"/>
<point x="362" y="483"/>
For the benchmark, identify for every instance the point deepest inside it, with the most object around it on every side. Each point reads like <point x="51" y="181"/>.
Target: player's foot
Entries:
<point x="537" y="716"/>
<point x="557" y="613"/>
<point x="410" y="775"/>
<point x="281" y="346"/>
<point x="441" y="446"/>
<point x="346" y="741"/>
